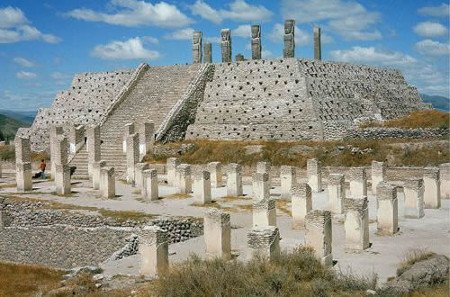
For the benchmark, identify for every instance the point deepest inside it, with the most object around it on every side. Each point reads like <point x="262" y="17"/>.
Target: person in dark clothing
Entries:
<point x="41" y="173"/>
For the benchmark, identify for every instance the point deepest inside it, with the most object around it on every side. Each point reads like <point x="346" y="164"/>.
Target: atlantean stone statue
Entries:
<point x="207" y="49"/>
<point x="197" y="47"/>
<point x="226" y="45"/>
<point x="256" y="42"/>
<point x="317" y="44"/>
<point x="289" y="42"/>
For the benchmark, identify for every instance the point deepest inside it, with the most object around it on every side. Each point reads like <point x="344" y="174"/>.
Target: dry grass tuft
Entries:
<point x="412" y="257"/>
<point x="419" y="119"/>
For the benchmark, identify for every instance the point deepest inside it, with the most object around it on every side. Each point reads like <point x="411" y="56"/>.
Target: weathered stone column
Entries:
<point x="358" y="182"/>
<point x="93" y="147"/>
<point x="150" y="187"/>
<point x="207" y="49"/>
<point x="264" y="167"/>
<point x="414" y="190"/>
<point x="314" y="172"/>
<point x="62" y="179"/>
<point x="215" y="171"/>
<point x="54" y="132"/>
<point x="264" y="241"/>
<point x="256" y="42"/>
<point x="171" y="169"/>
<point x="432" y="195"/>
<point x="145" y="131"/>
<point x="217" y="234"/>
<point x="107" y="182"/>
<point x="378" y="173"/>
<point x="197" y="47"/>
<point x="76" y="138"/>
<point x="387" y="212"/>
<point x="356" y="224"/>
<point x="264" y="213"/>
<point x="23" y="164"/>
<point x="154" y="251"/>
<point x="289" y="39"/>
<point x="185" y="179"/>
<point x="202" y="187"/>
<point x="336" y="193"/>
<point x="319" y="235"/>
<point x="226" y="45"/>
<point x="234" y="180"/>
<point x="61" y="150"/>
<point x="301" y="204"/>
<point x="444" y="176"/>
<point x="288" y="178"/>
<point x="129" y="129"/>
<point x="317" y="44"/>
<point x="23" y="150"/>
<point x="96" y="166"/>
<point x="138" y="174"/>
<point x="261" y="188"/>
<point x="132" y="157"/>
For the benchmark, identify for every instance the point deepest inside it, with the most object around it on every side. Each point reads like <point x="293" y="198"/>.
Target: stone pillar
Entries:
<point x="234" y="180"/>
<point x="264" y="167"/>
<point x="261" y="188"/>
<point x="336" y="193"/>
<point x="432" y="195"/>
<point x="60" y="150"/>
<point x="387" y="212"/>
<point x="154" y="251"/>
<point x="23" y="164"/>
<point x="301" y="204"/>
<point x="129" y="129"/>
<point x="202" y="187"/>
<point x="318" y="235"/>
<point x="217" y="234"/>
<point x="76" y="138"/>
<point x="358" y="182"/>
<point x="23" y="150"/>
<point x="150" y="188"/>
<point x="107" y="182"/>
<point x="62" y="179"/>
<point x="317" y="44"/>
<point x="264" y="241"/>
<point x="207" y="58"/>
<point x="215" y="171"/>
<point x="138" y="174"/>
<point x="256" y="42"/>
<point x="414" y="190"/>
<point x="378" y="173"/>
<point x="288" y="179"/>
<point x="444" y="176"/>
<point x="53" y="133"/>
<point x="93" y="147"/>
<point x="171" y="169"/>
<point x="226" y="45"/>
<point x="289" y="39"/>
<point x="96" y="166"/>
<point x="356" y="224"/>
<point x="132" y="157"/>
<point x="145" y="131"/>
<point x="185" y="179"/>
<point x="314" y="172"/>
<point x="264" y="213"/>
<point x="197" y="47"/>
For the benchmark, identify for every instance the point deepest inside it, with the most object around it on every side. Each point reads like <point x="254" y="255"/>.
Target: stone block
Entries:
<point x="107" y="182"/>
<point x="314" y="173"/>
<point x="215" y="171"/>
<point x="336" y="193"/>
<point x="261" y="189"/>
<point x="378" y="174"/>
<point x="171" y="166"/>
<point x="150" y="188"/>
<point x="62" y="180"/>
<point x="264" y="213"/>
<point x="93" y="147"/>
<point x="23" y="150"/>
<point x="288" y="179"/>
<point x="185" y="178"/>
<point x="129" y="129"/>
<point x="431" y="182"/>
<point x="146" y="138"/>
<point x="24" y="177"/>
<point x="358" y="182"/>
<point x="54" y="132"/>
<point x="265" y="242"/>
<point x="387" y="212"/>
<point x="234" y="180"/>
<point x="301" y="204"/>
<point x="217" y="234"/>
<point x="414" y="191"/>
<point x="138" y="174"/>
<point x="154" y="251"/>
<point x="319" y="235"/>
<point x="202" y="187"/>
<point x="132" y="157"/>
<point x="356" y="223"/>
<point x="96" y="166"/>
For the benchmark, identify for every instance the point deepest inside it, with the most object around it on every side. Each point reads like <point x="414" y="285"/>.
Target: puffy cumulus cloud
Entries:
<point x="183" y="34"/>
<point x="15" y="27"/>
<point x="26" y="75"/>
<point x="133" y="13"/>
<point x="349" y="19"/>
<point x="302" y="37"/>
<point x="124" y="50"/>
<point x="430" y="29"/>
<point x="442" y="10"/>
<point x="430" y="47"/>
<point x="23" y="62"/>
<point x="238" y="10"/>
<point x="244" y="31"/>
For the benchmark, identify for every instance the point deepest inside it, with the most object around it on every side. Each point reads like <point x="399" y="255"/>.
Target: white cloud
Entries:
<point x="133" y="13"/>
<point x="124" y="50"/>
<point x="23" y="62"/>
<point x="25" y="75"/>
<point x="244" y="31"/>
<point x="430" y="47"/>
<point x="302" y="37"/>
<point x="266" y="54"/>
<point x="238" y="10"/>
<point x="150" y="40"/>
<point x="442" y="10"/>
<point x="430" y="29"/>
<point x="213" y="39"/>
<point x="15" y="27"/>
<point x="183" y="34"/>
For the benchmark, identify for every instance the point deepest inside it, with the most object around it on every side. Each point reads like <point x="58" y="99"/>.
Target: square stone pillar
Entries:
<point x="202" y="187"/>
<point x="207" y="48"/>
<point x="358" y="182"/>
<point x="387" y="212"/>
<point x="150" y="188"/>
<point x="24" y="177"/>
<point x="314" y="172"/>
<point x="93" y="147"/>
<point x="62" y="179"/>
<point x="76" y="138"/>
<point x="54" y="132"/>
<point x="336" y="193"/>
<point x="197" y="47"/>
<point x="264" y="167"/>
<point x="256" y="42"/>
<point x="217" y="234"/>
<point x="215" y="171"/>
<point x="414" y="190"/>
<point x="301" y="204"/>
<point x="234" y="180"/>
<point x="289" y="39"/>
<point x="288" y="179"/>
<point x="431" y="182"/>
<point x="444" y="176"/>
<point x="264" y="213"/>
<point x="60" y="150"/>
<point x="261" y="189"/>
<point x="107" y="182"/>
<point x="265" y="242"/>
<point x="378" y="174"/>
<point x="96" y="166"/>
<point x="319" y="235"/>
<point x="171" y="168"/>
<point x="132" y="157"/>
<point x="138" y="174"/>
<point x="23" y="150"/>
<point x="129" y="129"/>
<point x="154" y="251"/>
<point x="225" y="45"/>
<point x="356" y="223"/>
<point x="146" y="139"/>
<point x="185" y="179"/>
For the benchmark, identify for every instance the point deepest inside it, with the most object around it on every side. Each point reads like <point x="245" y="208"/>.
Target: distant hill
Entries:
<point x="438" y="102"/>
<point x="26" y="117"/>
<point x="9" y="126"/>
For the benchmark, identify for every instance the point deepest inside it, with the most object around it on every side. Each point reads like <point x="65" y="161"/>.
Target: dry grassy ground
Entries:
<point x="420" y="119"/>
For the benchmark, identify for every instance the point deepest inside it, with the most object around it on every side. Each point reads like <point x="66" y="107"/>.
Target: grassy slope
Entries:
<point x="438" y="102"/>
<point x="9" y="126"/>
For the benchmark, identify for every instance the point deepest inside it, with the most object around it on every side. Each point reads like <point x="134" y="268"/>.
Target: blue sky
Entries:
<point x="44" y="43"/>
